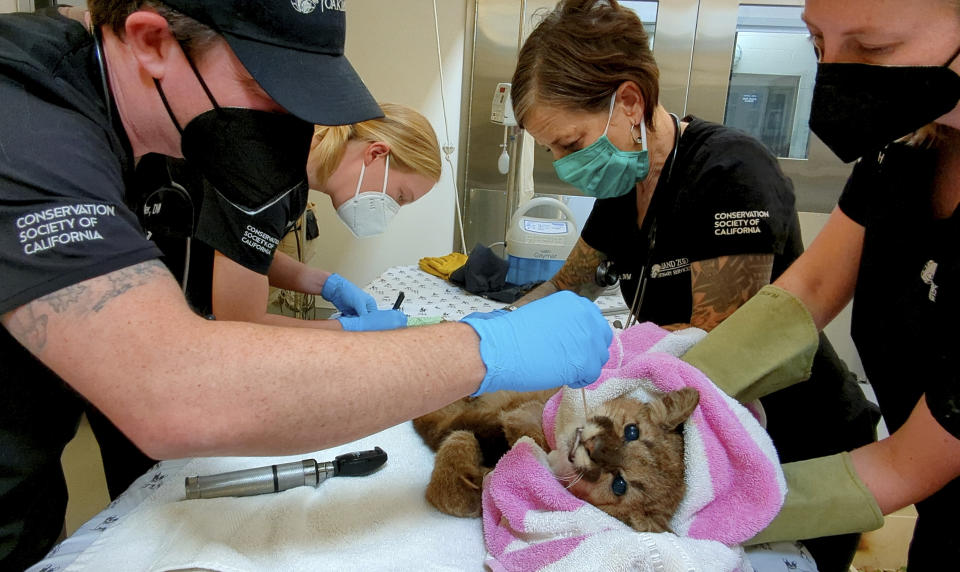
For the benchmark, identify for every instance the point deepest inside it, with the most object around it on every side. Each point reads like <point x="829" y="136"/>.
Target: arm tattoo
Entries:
<point x="29" y="324"/>
<point x="721" y="285"/>
<point x="579" y="271"/>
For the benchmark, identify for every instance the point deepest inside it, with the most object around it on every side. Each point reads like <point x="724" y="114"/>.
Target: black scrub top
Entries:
<point x="64" y="168"/>
<point x="907" y="300"/>
<point x="723" y="195"/>
<point x="248" y="239"/>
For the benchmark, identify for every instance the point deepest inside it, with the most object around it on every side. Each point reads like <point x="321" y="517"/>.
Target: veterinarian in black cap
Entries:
<point x="91" y="316"/>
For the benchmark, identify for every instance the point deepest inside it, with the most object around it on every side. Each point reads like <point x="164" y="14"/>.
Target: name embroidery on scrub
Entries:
<point x="256" y="239"/>
<point x="308" y="6"/>
<point x="927" y="274"/>
<point x="60" y="226"/>
<point x="670" y="268"/>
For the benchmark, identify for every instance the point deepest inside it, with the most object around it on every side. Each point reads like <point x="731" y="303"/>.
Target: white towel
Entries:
<point x="734" y="482"/>
<point x="377" y="522"/>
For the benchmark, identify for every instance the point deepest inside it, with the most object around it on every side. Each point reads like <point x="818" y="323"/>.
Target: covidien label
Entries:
<point x="544" y="227"/>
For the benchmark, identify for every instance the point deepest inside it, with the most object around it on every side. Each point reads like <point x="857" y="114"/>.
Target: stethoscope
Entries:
<point x="173" y="186"/>
<point x="652" y="231"/>
<point x="98" y="51"/>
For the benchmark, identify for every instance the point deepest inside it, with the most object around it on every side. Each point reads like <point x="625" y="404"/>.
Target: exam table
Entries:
<point x="377" y="522"/>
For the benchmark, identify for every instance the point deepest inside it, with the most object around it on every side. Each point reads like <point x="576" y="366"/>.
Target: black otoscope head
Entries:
<point x="359" y="463"/>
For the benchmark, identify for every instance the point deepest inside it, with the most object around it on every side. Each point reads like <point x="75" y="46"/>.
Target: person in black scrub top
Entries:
<point x="90" y="315"/>
<point x="886" y="95"/>
<point x="368" y="170"/>
<point x="230" y="267"/>
<point x="695" y="217"/>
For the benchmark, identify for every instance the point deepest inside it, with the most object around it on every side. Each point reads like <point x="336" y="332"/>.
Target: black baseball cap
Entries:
<point x="294" y="50"/>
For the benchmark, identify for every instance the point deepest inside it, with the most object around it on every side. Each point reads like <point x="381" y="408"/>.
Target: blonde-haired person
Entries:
<point x="887" y="92"/>
<point x="674" y="194"/>
<point x="369" y="170"/>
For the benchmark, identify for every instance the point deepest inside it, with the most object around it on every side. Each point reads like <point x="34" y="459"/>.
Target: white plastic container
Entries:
<point x="538" y="247"/>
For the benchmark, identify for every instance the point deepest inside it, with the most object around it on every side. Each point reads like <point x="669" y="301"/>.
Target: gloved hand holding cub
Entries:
<point x="561" y="339"/>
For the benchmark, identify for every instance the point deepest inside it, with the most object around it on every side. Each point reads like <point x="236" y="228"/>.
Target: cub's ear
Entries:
<point x="674" y="408"/>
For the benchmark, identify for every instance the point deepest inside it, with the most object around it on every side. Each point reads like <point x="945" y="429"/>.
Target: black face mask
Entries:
<point x="252" y="158"/>
<point x="860" y="108"/>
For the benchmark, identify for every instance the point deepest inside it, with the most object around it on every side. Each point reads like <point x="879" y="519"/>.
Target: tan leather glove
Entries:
<point x="824" y="497"/>
<point x="766" y="345"/>
<point x="443" y="266"/>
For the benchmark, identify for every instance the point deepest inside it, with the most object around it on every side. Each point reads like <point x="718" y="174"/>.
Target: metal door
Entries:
<point x="753" y="67"/>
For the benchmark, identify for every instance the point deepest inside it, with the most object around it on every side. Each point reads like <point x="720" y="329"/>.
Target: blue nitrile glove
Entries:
<point x="347" y="297"/>
<point x="561" y="339"/>
<point x="376" y="320"/>
<point x="484" y="315"/>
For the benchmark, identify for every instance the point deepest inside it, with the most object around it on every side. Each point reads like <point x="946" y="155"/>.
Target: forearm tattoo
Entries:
<point x="580" y="270"/>
<point x="721" y="285"/>
<point x="29" y="323"/>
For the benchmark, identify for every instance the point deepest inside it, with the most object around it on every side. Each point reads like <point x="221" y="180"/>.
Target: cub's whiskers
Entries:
<point x="570" y="478"/>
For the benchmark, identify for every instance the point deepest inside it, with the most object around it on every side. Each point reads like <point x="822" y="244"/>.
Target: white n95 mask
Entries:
<point x="367" y="214"/>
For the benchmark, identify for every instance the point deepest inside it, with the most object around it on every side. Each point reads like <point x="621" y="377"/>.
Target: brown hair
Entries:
<point x="194" y="36"/>
<point x="413" y="143"/>
<point x="579" y="54"/>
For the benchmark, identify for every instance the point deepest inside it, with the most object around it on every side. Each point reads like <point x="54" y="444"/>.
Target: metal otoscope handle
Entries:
<point x="276" y="478"/>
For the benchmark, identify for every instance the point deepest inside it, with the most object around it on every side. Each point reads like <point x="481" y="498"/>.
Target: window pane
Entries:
<point x="771" y="80"/>
<point x="647" y="10"/>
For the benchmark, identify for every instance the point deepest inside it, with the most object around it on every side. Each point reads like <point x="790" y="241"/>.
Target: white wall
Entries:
<point x="393" y="47"/>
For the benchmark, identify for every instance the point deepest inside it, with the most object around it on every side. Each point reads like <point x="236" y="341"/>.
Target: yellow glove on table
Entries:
<point x="824" y="497"/>
<point x="443" y="266"/>
<point x="766" y="345"/>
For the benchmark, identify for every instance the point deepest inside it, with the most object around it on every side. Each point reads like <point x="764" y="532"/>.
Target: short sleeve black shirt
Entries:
<point x="723" y="195"/>
<point x="63" y="171"/>
<point x="63" y="166"/>
<point x="907" y="300"/>
<point x="248" y="239"/>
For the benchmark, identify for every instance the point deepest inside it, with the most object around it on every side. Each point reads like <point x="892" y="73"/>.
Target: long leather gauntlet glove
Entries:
<point x="824" y="497"/>
<point x="766" y="345"/>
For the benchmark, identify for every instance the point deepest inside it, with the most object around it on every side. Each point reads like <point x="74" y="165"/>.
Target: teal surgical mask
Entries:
<point x="602" y="170"/>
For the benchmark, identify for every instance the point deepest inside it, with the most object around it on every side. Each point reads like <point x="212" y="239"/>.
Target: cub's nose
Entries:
<point x="591" y="444"/>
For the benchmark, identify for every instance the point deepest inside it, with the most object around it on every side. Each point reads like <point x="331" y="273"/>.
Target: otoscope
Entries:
<point x="276" y="478"/>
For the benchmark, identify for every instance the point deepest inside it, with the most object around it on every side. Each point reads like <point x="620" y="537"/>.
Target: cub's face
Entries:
<point x="626" y="458"/>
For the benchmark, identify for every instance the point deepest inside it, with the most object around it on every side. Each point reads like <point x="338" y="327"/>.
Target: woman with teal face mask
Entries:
<point x="693" y="216"/>
<point x="602" y="170"/>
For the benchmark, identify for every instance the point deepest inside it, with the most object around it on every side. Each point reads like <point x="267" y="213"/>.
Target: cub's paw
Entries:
<point x="456" y="483"/>
<point x="524" y="421"/>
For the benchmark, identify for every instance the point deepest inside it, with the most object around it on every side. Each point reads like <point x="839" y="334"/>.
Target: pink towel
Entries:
<point x="734" y="483"/>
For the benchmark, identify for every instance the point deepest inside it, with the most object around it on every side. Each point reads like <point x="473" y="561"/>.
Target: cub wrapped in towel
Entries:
<point x="624" y="456"/>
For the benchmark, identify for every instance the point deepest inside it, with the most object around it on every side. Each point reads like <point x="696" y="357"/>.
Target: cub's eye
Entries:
<point x="619" y="486"/>
<point x="631" y="432"/>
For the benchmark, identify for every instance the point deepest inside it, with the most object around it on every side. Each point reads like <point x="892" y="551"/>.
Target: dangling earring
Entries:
<point x="636" y="138"/>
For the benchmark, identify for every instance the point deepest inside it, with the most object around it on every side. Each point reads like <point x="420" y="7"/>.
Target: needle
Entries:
<point x="583" y="395"/>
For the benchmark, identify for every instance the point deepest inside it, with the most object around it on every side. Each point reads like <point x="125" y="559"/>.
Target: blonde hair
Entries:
<point x="413" y="143"/>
